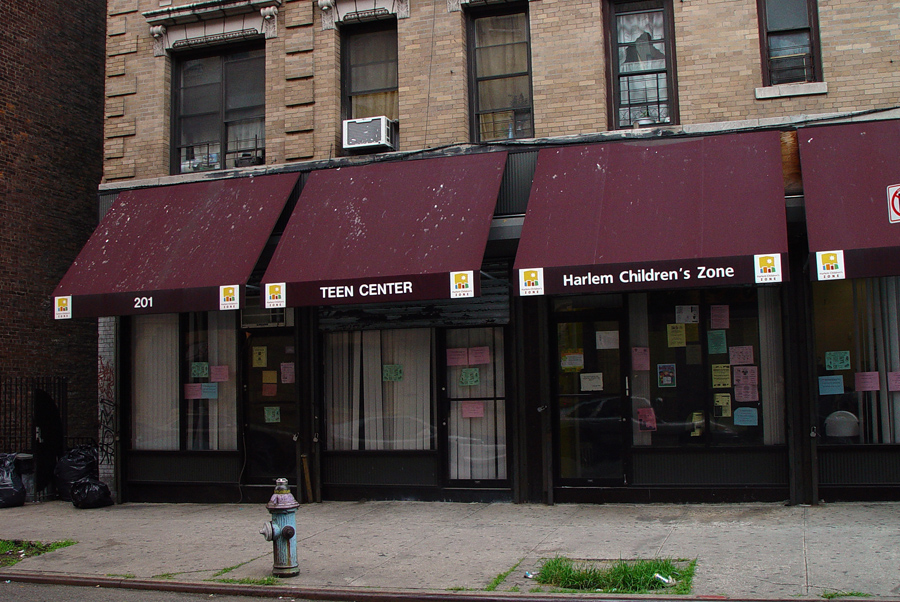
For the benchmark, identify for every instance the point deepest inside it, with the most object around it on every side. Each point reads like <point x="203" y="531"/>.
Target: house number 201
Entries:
<point x="143" y="302"/>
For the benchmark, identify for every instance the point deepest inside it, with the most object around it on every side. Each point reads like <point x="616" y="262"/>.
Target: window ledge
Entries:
<point x="205" y="11"/>
<point x="787" y="90"/>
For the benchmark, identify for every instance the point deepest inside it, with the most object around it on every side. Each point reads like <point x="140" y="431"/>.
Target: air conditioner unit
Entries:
<point x="370" y="132"/>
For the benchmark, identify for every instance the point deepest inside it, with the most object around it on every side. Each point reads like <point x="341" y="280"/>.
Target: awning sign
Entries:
<point x="461" y="285"/>
<point x="830" y="265"/>
<point x="229" y="297"/>
<point x="531" y="281"/>
<point x="63" y="307"/>
<point x="275" y="295"/>
<point x="893" y="195"/>
<point x="768" y="268"/>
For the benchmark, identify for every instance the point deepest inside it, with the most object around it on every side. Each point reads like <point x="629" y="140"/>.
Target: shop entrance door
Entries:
<point x="475" y="408"/>
<point x="271" y="413"/>
<point x="591" y="402"/>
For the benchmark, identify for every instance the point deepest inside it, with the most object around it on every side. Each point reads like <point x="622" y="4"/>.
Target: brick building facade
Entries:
<point x="732" y="98"/>
<point x="51" y="124"/>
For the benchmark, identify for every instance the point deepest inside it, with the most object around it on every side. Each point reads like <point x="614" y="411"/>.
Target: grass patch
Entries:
<point x="623" y="577"/>
<point x="122" y="576"/>
<point x="492" y="586"/>
<point x="227" y="570"/>
<point x="14" y="550"/>
<point x="251" y="581"/>
<point x="833" y="595"/>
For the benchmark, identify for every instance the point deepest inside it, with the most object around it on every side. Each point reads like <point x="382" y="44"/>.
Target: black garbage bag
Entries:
<point x="90" y="493"/>
<point x="78" y="463"/>
<point x="12" y="490"/>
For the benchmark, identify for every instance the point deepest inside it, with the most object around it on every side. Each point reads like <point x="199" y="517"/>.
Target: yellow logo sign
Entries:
<point x="228" y="294"/>
<point x="62" y="304"/>
<point x="830" y="261"/>
<point x="766" y="264"/>
<point x="461" y="280"/>
<point x="531" y="281"/>
<point x="274" y="292"/>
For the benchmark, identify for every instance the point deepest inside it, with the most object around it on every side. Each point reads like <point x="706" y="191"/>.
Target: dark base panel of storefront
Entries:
<point x="856" y="473"/>
<point x="180" y="493"/>
<point x="735" y="474"/>
<point x="669" y="495"/>
<point x="183" y="477"/>
<point x="385" y="475"/>
<point x="358" y="493"/>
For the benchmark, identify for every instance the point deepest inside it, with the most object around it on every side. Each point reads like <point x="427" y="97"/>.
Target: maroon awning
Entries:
<point x="398" y="231"/>
<point x="170" y="249"/>
<point x="638" y="215"/>
<point x="851" y="189"/>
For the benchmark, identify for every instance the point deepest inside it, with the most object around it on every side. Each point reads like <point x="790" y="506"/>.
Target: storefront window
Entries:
<point x="187" y="405"/>
<point x="703" y="360"/>
<point x="378" y="390"/>
<point x="858" y="360"/>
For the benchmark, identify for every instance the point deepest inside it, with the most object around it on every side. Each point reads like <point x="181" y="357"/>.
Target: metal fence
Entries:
<point x="20" y="397"/>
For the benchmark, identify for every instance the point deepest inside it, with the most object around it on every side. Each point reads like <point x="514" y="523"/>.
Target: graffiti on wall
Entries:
<point x="106" y="387"/>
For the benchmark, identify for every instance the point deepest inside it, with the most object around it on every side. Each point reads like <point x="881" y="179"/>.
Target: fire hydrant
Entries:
<point x="282" y="529"/>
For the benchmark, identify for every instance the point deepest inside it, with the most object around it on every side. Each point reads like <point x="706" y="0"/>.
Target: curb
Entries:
<point x="347" y="595"/>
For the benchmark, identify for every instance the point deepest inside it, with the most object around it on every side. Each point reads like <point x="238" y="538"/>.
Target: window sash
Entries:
<point x="216" y="97"/>
<point x="501" y="75"/>
<point x="789" y="40"/>
<point x="371" y="74"/>
<point x="643" y="86"/>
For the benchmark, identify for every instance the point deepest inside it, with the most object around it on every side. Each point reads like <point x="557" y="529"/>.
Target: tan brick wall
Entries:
<point x="432" y="77"/>
<point x="719" y="60"/>
<point x="717" y="57"/>
<point x="568" y="67"/>
<point x="327" y="114"/>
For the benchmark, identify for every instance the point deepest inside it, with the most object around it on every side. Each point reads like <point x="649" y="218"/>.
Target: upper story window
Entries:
<point x="219" y="110"/>
<point x="642" y="62"/>
<point x="789" y="37"/>
<point x="501" y="75"/>
<point x="370" y="72"/>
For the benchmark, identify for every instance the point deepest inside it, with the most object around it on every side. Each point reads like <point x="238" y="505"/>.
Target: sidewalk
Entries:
<point x="743" y="551"/>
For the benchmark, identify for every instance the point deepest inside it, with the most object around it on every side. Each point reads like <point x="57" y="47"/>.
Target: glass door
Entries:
<point x="590" y="402"/>
<point x="475" y="406"/>
<point x="271" y="413"/>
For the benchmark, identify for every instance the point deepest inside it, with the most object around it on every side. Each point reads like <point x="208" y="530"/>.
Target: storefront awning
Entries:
<point x="171" y="249"/>
<point x="399" y="231"/>
<point x="851" y="190"/>
<point x="639" y="215"/>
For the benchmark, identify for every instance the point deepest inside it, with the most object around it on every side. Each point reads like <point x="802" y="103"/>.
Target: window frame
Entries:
<point x="473" y="15"/>
<point x="256" y="156"/>
<point x="347" y="34"/>
<point x="612" y="47"/>
<point x="814" y="46"/>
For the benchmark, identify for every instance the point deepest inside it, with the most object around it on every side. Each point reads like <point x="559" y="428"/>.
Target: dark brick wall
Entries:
<point x="51" y="125"/>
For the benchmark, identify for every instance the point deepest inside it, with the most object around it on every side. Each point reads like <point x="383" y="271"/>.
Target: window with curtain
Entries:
<point x="643" y="87"/>
<point x="858" y="360"/>
<point x="501" y="68"/>
<point x="370" y="72"/>
<point x="378" y="390"/>
<point x="189" y="404"/>
<point x="788" y="29"/>
<point x="219" y="110"/>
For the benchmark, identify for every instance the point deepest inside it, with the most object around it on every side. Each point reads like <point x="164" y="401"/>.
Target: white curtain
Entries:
<point x="155" y="387"/>
<point x="378" y="389"/>
<point x="223" y="352"/>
